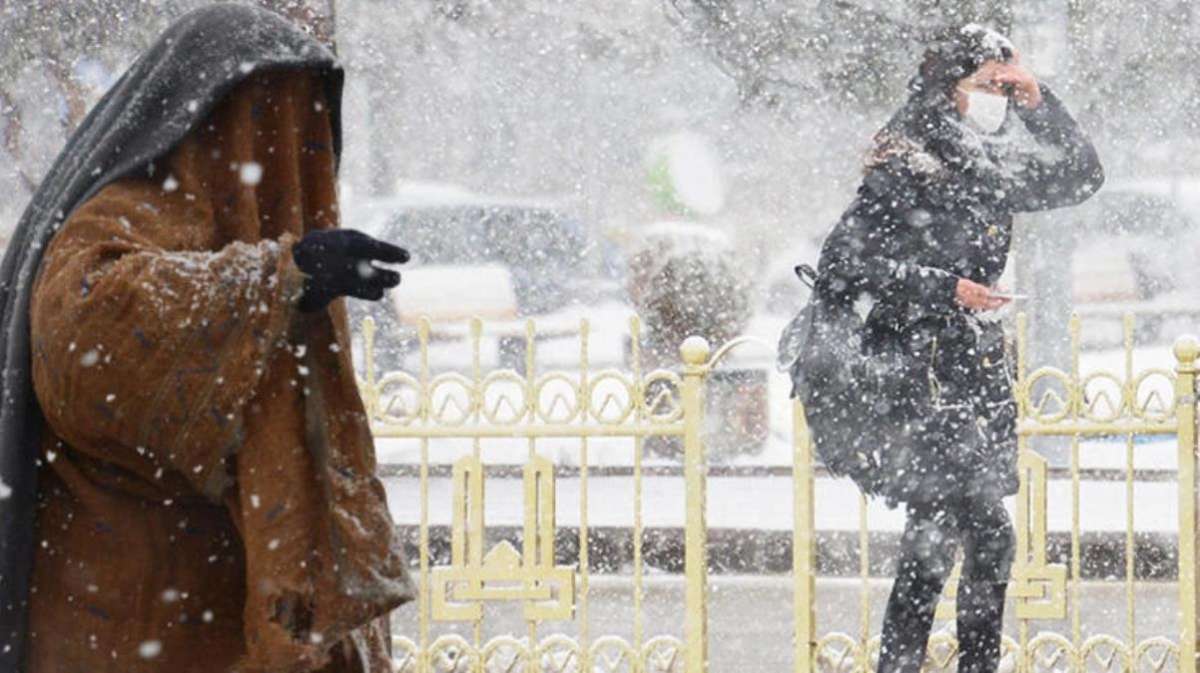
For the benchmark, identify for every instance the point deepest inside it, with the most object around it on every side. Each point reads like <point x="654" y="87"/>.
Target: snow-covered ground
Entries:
<point x="752" y="619"/>
<point x="765" y="503"/>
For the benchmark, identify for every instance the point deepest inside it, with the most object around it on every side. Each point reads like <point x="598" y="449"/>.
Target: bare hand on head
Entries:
<point x="1007" y="79"/>
<point x="976" y="297"/>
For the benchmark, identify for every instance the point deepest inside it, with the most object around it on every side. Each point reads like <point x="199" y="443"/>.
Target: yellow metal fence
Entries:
<point x="583" y="406"/>
<point x="468" y="406"/>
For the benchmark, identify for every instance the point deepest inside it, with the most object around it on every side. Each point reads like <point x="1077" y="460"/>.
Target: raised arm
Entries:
<point x="1063" y="170"/>
<point x="148" y="343"/>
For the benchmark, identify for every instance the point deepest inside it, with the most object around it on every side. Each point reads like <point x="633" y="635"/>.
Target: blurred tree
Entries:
<point x="316" y="16"/>
<point x="59" y="57"/>
<point x="851" y="53"/>
<point x="41" y="41"/>
<point x="996" y="13"/>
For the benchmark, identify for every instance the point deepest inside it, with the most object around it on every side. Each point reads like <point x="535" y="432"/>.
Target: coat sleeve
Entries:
<point x="1064" y="170"/>
<point x="147" y="343"/>
<point x="872" y="248"/>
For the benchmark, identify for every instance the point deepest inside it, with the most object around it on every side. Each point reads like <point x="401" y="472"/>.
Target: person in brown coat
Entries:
<point x="206" y="494"/>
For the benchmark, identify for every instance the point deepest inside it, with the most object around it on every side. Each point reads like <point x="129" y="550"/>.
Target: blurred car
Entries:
<point x="1134" y="243"/>
<point x="498" y="258"/>
<point x="1136" y="249"/>
<point x="450" y="292"/>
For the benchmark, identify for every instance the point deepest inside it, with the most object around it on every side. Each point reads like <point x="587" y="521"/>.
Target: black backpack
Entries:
<point x="822" y="350"/>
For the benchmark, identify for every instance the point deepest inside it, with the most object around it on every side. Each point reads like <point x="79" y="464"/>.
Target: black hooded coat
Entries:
<point x="932" y="415"/>
<point x="158" y="101"/>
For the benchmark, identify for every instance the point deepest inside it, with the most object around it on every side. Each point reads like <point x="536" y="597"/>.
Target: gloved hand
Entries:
<point x="338" y="263"/>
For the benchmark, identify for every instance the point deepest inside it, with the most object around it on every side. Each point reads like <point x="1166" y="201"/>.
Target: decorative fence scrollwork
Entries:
<point x="469" y="403"/>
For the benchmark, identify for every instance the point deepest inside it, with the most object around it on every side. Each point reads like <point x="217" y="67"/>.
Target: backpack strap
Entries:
<point x="807" y="275"/>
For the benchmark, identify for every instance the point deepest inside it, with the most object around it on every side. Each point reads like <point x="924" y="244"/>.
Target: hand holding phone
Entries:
<point x="979" y="297"/>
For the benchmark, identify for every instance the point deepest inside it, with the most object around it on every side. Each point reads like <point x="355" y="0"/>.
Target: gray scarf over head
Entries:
<point x="160" y="99"/>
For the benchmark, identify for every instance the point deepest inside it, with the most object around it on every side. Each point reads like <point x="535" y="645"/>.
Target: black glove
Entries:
<point x="338" y="263"/>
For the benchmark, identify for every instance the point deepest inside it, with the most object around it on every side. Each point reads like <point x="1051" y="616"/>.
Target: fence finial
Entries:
<point x="1187" y="349"/>
<point x="695" y="351"/>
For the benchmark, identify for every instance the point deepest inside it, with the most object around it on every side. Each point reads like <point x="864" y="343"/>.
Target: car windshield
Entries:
<point x="542" y="248"/>
<point x="1135" y="213"/>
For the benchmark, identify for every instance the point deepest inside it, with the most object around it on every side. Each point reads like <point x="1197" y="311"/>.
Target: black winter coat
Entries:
<point x="936" y="204"/>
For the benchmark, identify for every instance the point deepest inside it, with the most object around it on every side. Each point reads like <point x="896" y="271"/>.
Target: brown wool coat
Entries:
<point x="208" y="498"/>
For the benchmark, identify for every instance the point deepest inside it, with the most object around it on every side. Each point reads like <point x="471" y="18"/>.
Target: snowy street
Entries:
<point x="765" y="503"/>
<point x="751" y="618"/>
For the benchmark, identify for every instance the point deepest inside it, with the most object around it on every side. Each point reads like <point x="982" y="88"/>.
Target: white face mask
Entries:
<point x="987" y="111"/>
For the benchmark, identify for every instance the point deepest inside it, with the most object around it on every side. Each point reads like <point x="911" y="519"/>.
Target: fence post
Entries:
<point x="803" y="542"/>
<point x="370" y="390"/>
<point x="1186" y="351"/>
<point x="695" y="352"/>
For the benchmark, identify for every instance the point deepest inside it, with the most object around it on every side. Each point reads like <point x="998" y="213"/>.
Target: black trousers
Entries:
<point x="927" y="552"/>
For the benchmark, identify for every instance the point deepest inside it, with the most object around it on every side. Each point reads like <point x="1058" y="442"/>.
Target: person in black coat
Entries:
<point x="923" y="246"/>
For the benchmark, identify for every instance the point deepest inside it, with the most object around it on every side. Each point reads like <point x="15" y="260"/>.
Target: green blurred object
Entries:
<point x="662" y="191"/>
<point x="683" y="174"/>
